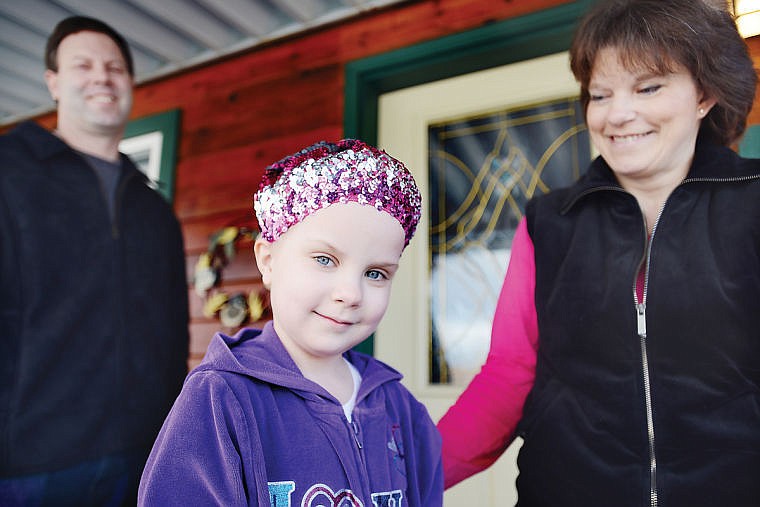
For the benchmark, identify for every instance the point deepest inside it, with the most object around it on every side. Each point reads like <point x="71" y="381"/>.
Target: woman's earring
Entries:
<point x="701" y="111"/>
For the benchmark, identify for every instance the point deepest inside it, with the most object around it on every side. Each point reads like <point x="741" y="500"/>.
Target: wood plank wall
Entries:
<point x="240" y="114"/>
<point x="754" y="50"/>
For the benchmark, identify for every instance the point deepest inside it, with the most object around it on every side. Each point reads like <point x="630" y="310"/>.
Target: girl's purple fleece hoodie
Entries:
<point x="249" y="429"/>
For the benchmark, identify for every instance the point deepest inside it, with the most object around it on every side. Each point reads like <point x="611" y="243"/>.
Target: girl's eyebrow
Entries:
<point x="321" y="243"/>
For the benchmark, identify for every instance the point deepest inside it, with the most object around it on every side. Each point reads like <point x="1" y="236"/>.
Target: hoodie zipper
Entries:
<point x="355" y="432"/>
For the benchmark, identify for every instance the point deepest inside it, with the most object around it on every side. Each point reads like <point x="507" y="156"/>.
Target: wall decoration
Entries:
<point x="232" y="310"/>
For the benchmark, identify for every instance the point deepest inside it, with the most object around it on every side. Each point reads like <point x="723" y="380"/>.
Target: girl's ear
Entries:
<point x="262" y="250"/>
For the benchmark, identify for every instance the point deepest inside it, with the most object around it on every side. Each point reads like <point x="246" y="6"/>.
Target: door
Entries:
<point x="437" y="328"/>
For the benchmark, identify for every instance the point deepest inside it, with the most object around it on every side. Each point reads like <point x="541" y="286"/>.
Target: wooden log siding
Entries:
<point x="754" y="51"/>
<point x="250" y="109"/>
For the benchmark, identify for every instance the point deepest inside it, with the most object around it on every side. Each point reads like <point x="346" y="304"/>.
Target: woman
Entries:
<point x="626" y="342"/>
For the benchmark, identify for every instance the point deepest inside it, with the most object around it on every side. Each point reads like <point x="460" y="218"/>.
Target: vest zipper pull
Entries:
<point x="641" y="319"/>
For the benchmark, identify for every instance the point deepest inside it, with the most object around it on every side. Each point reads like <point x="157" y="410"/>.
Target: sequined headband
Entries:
<point x="327" y="173"/>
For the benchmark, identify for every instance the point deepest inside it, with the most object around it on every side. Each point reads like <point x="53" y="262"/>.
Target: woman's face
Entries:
<point x="644" y="125"/>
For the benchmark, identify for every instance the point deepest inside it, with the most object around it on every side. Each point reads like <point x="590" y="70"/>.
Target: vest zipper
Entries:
<point x="641" y="328"/>
<point x="641" y="310"/>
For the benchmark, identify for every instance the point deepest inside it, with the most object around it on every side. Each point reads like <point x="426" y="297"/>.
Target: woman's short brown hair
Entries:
<point x="665" y="35"/>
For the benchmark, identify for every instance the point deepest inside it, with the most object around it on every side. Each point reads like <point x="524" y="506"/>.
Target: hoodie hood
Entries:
<point x="259" y="354"/>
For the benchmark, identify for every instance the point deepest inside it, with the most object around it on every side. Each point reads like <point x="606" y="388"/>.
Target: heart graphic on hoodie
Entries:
<point x="319" y="493"/>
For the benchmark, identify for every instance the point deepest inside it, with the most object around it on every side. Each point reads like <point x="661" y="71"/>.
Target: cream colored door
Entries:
<point x="403" y="338"/>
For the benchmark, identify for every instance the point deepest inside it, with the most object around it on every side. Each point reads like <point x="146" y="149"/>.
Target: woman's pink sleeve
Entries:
<point x="481" y="424"/>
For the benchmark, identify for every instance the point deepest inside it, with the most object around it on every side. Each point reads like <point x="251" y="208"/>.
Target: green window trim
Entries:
<point x="168" y="123"/>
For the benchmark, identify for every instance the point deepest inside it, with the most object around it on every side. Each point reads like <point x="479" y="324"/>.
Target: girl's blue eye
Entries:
<point x="322" y="259"/>
<point x="374" y="274"/>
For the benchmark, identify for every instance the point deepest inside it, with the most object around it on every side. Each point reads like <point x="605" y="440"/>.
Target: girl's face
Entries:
<point x="644" y="125"/>
<point x="330" y="279"/>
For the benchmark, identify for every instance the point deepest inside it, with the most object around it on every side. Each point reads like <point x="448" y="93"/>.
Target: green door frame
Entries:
<point x="501" y="43"/>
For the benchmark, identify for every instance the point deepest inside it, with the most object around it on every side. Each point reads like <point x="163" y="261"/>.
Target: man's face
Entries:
<point x="92" y="86"/>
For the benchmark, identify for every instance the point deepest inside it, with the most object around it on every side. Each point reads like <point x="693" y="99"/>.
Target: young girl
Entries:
<point x="289" y="415"/>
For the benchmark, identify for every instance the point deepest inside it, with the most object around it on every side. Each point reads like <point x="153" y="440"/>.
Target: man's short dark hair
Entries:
<point x="76" y="24"/>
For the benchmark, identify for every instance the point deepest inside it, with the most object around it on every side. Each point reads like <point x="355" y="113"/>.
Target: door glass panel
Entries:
<point x="482" y="171"/>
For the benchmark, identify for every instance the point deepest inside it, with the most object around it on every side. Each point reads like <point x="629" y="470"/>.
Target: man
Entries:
<point x="93" y="292"/>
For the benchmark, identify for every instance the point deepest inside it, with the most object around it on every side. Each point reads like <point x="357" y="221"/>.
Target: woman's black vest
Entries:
<point x="655" y="406"/>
